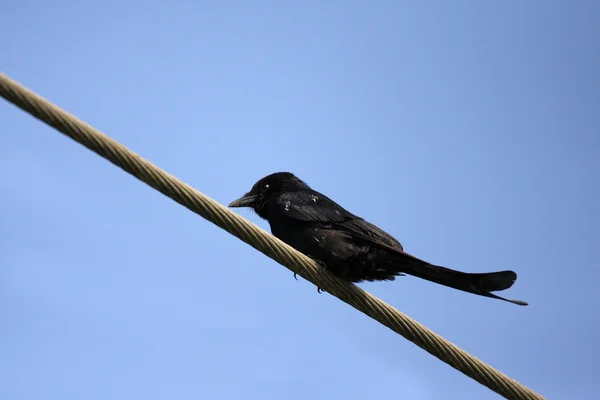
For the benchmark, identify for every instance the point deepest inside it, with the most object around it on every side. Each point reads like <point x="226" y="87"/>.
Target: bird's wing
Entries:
<point x="312" y="206"/>
<point x="372" y="234"/>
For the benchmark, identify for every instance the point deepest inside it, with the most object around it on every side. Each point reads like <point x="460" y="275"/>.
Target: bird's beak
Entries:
<point x="247" y="200"/>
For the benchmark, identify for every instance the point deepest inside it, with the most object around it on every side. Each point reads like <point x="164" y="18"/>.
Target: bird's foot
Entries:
<point x="324" y="266"/>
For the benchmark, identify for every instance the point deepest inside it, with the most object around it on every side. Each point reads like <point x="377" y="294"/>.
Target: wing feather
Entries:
<point x="312" y="206"/>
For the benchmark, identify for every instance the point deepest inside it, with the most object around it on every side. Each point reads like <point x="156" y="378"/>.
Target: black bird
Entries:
<point x="347" y="245"/>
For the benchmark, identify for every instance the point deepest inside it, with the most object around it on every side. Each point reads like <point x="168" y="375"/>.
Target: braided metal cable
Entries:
<point x="261" y="240"/>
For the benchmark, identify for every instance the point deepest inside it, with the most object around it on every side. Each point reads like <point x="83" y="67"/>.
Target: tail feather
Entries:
<point x="477" y="283"/>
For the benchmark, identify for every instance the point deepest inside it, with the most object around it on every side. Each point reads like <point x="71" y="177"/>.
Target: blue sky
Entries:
<point x="469" y="130"/>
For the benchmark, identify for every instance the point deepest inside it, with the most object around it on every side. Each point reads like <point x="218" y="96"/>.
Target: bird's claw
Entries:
<point x="295" y="276"/>
<point x="320" y="290"/>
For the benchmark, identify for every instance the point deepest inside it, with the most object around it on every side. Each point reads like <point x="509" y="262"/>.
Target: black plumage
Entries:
<point x="347" y="245"/>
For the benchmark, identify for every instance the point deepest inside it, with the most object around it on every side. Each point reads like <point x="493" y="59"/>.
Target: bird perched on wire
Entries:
<point x="347" y="245"/>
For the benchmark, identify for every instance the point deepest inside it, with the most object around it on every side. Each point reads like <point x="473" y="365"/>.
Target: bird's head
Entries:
<point x="266" y="189"/>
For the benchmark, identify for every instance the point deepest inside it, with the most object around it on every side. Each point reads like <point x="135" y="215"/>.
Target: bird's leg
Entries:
<point x="321" y="264"/>
<point x="324" y="266"/>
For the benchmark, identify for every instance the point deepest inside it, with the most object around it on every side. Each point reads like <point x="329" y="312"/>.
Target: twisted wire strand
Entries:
<point x="261" y="240"/>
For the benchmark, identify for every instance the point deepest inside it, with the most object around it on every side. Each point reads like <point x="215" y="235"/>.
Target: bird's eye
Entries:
<point x="265" y="187"/>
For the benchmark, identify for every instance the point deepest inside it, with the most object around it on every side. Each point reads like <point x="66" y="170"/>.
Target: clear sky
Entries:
<point x="469" y="130"/>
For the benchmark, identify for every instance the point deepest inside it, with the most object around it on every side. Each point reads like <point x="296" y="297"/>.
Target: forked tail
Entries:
<point x="477" y="283"/>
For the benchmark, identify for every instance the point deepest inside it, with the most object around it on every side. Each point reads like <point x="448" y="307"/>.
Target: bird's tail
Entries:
<point x="478" y="283"/>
